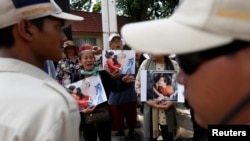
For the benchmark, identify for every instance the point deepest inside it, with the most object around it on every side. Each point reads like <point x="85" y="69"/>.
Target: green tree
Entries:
<point x="97" y="7"/>
<point x="138" y="10"/>
<point x="81" y="5"/>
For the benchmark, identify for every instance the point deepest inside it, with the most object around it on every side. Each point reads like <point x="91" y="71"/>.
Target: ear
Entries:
<point x="24" y="28"/>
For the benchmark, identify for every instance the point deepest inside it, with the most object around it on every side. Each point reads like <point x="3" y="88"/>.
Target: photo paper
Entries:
<point x="160" y="85"/>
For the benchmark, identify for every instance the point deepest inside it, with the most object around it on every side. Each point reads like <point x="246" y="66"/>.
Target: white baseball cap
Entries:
<point x="113" y="36"/>
<point x="12" y="11"/>
<point x="196" y="25"/>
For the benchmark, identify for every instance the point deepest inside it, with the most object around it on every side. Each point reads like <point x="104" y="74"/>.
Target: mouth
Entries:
<point x="90" y="64"/>
<point x="118" y="47"/>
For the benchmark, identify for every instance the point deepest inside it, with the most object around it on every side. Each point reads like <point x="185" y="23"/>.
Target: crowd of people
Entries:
<point x="122" y="101"/>
<point x="42" y="101"/>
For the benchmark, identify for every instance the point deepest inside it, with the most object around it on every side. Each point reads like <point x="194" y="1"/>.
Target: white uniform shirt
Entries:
<point x="33" y="106"/>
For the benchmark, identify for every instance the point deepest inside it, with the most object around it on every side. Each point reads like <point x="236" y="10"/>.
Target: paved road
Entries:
<point x="184" y="119"/>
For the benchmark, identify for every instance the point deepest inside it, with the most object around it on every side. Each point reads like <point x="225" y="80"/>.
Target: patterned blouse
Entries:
<point x="67" y="70"/>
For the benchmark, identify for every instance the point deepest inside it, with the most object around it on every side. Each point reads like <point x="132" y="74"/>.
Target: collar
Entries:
<point x="18" y="66"/>
<point x="94" y="72"/>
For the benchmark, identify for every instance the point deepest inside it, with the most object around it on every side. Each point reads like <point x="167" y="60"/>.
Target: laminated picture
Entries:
<point x="88" y="92"/>
<point x="160" y="85"/>
<point x="119" y="60"/>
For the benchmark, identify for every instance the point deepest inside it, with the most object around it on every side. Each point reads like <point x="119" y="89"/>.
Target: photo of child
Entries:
<point x="119" y="60"/>
<point x="112" y="64"/>
<point x="88" y="92"/>
<point x="160" y="85"/>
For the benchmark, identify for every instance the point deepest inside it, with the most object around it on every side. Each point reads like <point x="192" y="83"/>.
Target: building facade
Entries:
<point x="90" y="29"/>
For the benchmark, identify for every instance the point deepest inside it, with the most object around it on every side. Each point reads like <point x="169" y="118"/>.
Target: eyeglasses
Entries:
<point x="192" y="61"/>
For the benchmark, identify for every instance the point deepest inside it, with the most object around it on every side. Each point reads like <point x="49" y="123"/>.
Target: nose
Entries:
<point x="89" y="59"/>
<point x="63" y="37"/>
<point x="181" y="77"/>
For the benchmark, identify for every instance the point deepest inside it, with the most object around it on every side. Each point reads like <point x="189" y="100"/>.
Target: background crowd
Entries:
<point x="123" y="102"/>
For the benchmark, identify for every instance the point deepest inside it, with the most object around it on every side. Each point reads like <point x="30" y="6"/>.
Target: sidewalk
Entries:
<point x="184" y="116"/>
<point x="138" y="130"/>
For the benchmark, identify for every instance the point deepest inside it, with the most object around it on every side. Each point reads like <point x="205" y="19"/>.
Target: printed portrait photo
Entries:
<point x="160" y="85"/>
<point x="90" y="90"/>
<point x="119" y="60"/>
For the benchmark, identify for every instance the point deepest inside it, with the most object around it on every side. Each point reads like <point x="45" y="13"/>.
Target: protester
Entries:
<point x="90" y="131"/>
<point x="97" y="50"/>
<point x="68" y="68"/>
<point x="157" y="117"/>
<point x="123" y="104"/>
<point x="33" y="105"/>
<point x="211" y="40"/>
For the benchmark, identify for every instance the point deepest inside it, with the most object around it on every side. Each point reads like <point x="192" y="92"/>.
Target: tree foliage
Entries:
<point x="81" y="5"/>
<point x="138" y="10"/>
<point x="141" y="10"/>
<point x="97" y="7"/>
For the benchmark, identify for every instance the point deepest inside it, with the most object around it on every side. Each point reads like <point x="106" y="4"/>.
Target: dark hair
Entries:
<point x="108" y="54"/>
<point x="70" y="89"/>
<point x="166" y="77"/>
<point x="7" y="39"/>
<point x="115" y="60"/>
<point x="79" y="93"/>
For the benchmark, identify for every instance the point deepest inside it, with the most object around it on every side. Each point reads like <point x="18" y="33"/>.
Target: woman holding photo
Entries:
<point x="101" y="129"/>
<point x="157" y="115"/>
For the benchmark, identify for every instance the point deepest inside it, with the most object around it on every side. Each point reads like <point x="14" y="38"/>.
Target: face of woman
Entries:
<point x="158" y="58"/>
<point x="162" y="82"/>
<point x="70" y="50"/>
<point x="88" y="60"/>
<point x="116" y="44"/>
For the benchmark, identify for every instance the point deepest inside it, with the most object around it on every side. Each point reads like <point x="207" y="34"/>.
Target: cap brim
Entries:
<point x="114" y="36"/>
<point x="166" y="36"/>
<point x="69" y="18"/>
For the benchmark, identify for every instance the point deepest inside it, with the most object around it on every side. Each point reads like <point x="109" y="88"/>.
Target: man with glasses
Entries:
<point x="212" y="41"/>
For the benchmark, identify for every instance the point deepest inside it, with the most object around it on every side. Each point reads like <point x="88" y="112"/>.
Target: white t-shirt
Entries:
<point x="33" y="106"/>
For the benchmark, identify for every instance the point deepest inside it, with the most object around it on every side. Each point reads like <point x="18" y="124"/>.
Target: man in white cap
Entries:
<point x="212" y="41"/>
<point x="34" y="107"/>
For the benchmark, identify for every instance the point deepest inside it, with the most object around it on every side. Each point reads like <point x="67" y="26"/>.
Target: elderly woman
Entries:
<point x="67" y="68"/>
<point x="111" y="82"/>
